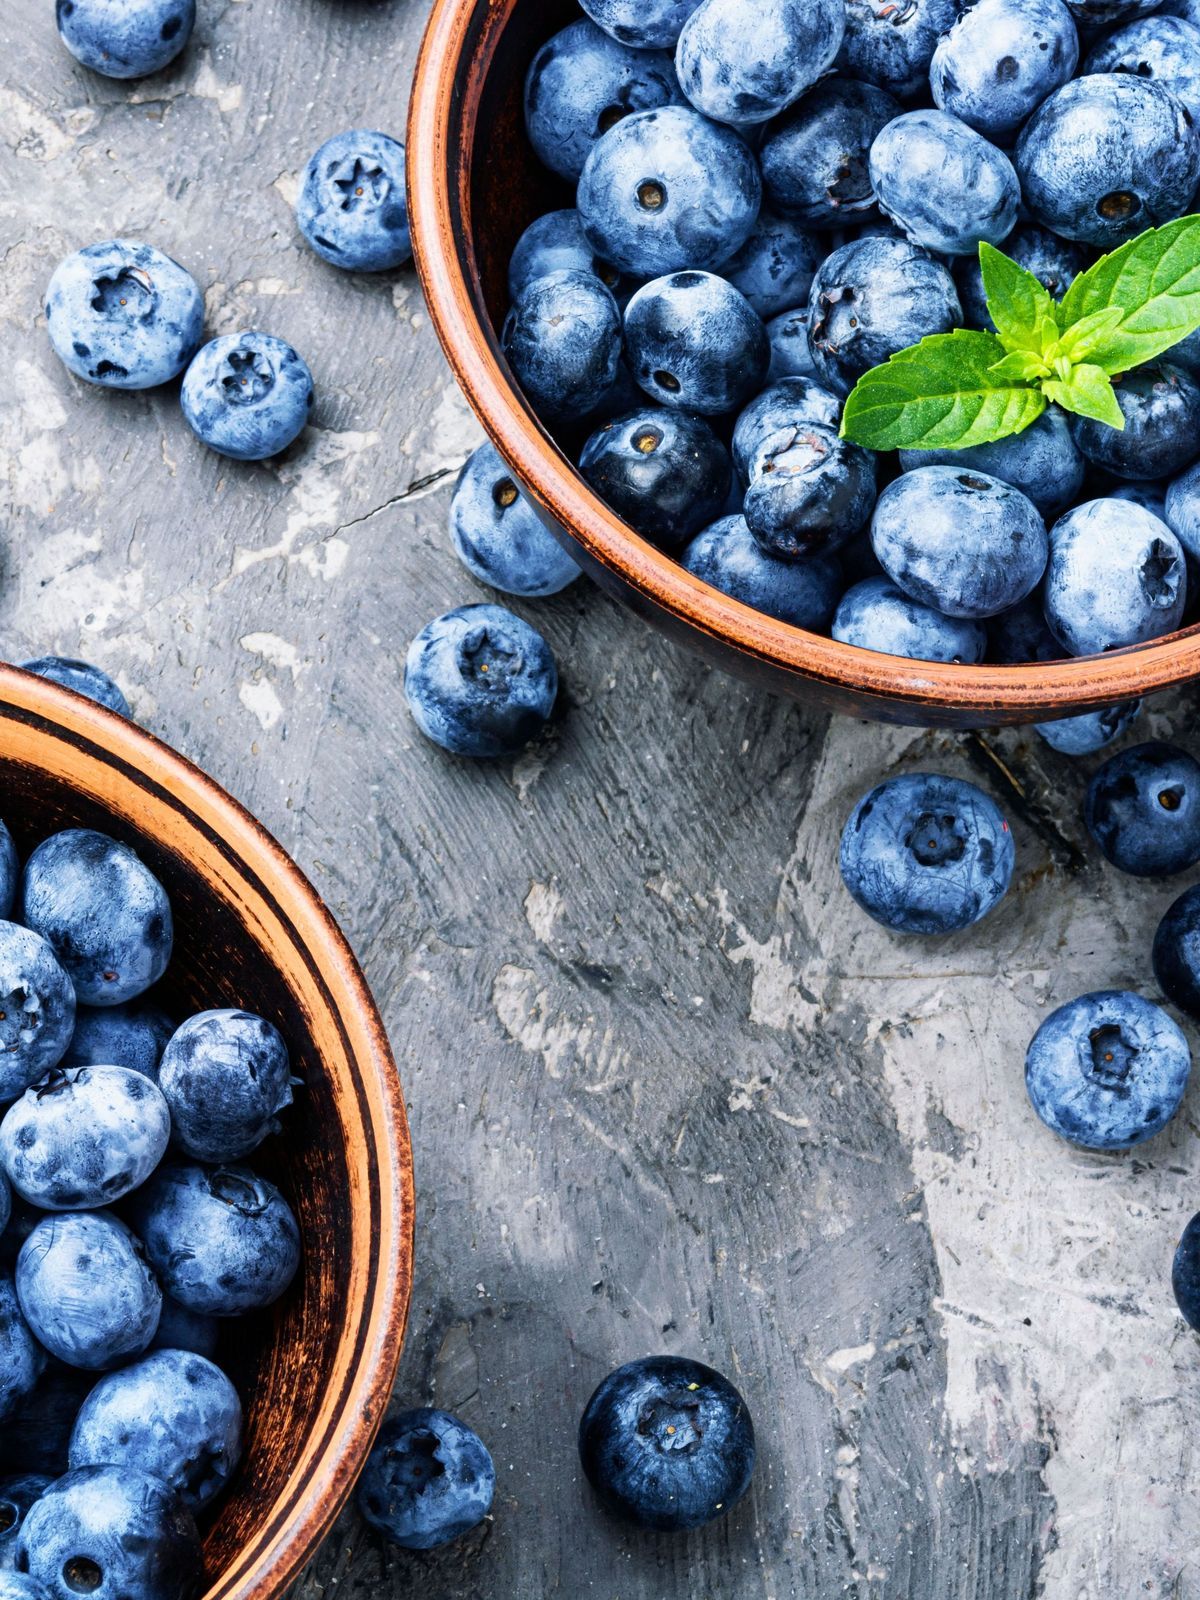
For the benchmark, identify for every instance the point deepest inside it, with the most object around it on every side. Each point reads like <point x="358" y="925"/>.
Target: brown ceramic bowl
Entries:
<point x="474" y="184"/>
<point x="315" y="1372"/>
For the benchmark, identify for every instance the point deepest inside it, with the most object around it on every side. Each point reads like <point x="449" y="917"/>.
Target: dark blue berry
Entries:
<point x="428" y="1480"/>
<point x="1143" y="810"/>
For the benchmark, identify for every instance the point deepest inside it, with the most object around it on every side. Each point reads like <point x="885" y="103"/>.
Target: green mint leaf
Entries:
<point x="1017" y="303"/>
<point x="1048" y="336"/>
<point x="1086" y="335"/>
<point x="939" y="394"/>
<point x="1022" y="366"/>
<point x="1088" y="393"/>
<point x="1155" y="282"/>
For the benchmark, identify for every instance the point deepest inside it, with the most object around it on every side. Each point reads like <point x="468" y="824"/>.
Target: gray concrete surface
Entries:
<point x="669" y="1089"/>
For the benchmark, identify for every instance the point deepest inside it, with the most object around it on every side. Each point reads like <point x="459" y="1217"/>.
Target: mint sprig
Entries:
<point x="964" y="388"/>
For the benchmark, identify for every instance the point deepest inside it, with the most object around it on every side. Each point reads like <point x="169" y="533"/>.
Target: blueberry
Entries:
<point x="480" y="681"/>
<point x="226" y="1077"/>
<point x="563" y="342"/>
<point x="746" y="71"/>
<point x="788" y="403"/>
<point x="1042" y="461"/>
<point x="1161" y="407"/>
<point x="1181" y="510"/>
<point x="1000" y="60"/>
<point x="428" y="1480"/>
<point x="1107" y="1070"/>
<point x="945" y="185"/>
<point x="815" y="160"/>
<point x="875" y="615"/>
<point x="132" y="1036"/>
<point x="962" y="542"/>
<point x="35" y="1436"/>
<point x="1143" y="810"/>
<point x="790" y="356"/>
<point x="123" y="315"/>
<point x="1104" y="13"/>
<point x="667" y="1443"/>
<point x="125" y="38"/>
<point x="728" y="556"/>
<point x="694" y="343"/>
<point x="643" y="24"/>
<point x="1165" y="50"/>
<point x="112" y="1532"/>
<point x="86" y="1289"/>
<point x="871" y="298"/>
<point x="102" y="910"/>
<point x="1090" y="731"/>
<point x="22" y="1358"/>
<point x="352" y="207"/>
<point x="891" y="42"/>
<point x="667" y="190"/>
<point x="1021" y="634"/>
<point x="1115" y="577"/>
<point x="82" y="677"/>
<point x="1185" y="1275"/>
<point x="774" y="268"/>
<point x="926" y="854"/>
<point x="665" y="472"/>
<point x="16" y="1497"/>
<point x="84" y="1138"/>
<point x="181" y="1329"/>
<point x="499" y="537"/>
<point x="172" y="1415"/>
<point x="1177" y="952"/>
<point x="556" y="243"/>
<point x="1150" y="496"/>
<point x="809" y="491"/>
<point x="37" y="1009"/>
<point x="247" y="395"/>
<point x="1054" y="262"/>
<point x="5" y="1202"/>
<point x="1106" y="157"/>
<point x="581" y="83"/>
<point x="20" y="1586"/>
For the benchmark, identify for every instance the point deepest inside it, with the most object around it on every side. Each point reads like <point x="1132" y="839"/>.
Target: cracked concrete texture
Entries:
<point x="669" y="1089"/>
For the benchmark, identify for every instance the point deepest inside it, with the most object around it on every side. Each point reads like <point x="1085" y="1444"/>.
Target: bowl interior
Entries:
<point x="315" y="1371"/>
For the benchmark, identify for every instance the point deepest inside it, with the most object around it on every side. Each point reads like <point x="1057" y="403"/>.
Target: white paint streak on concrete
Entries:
<point x="276" y="652"/>
<point x="853" y="1356"/>
<point x="442" y="444"/>
<point x="530" y="1016"/>
<point x="28" y="131"/>
<point x="262" y="702"/>
<point x="318" y="481"/>
<point x="543" y="907"/>
<point x="40" y="465"/>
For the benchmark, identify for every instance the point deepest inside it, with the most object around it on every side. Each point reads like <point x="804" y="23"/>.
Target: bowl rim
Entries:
<point x="451" y="69"/>
<point x="112" y="755"/>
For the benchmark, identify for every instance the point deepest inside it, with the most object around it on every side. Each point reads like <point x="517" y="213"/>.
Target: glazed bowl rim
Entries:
<point x="121" y="755"/>
<point x="441" y="127"/>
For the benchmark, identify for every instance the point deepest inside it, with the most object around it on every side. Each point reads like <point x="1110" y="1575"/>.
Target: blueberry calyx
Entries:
<point x="1112" y="1057"/>
<point x="250" y="377"/>
<point x="417" y="1460"/>
<point x="671" y="1422"/>
<point x="1160" y="575"/>
<point x="651" y="194"/>
<point x="128" y="291"/>
<point x="82" y="1575"/>
<point x="56" y="1080"/>
<point x="487" y="659"/>
<point x="1118" y="206"/>
<point x="365" y="182"/>
<point x="239" y="1191"/>
<point x="937" y="839"/>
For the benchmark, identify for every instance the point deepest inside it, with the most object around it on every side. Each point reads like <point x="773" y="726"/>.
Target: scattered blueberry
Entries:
<point x="1090" y="731"/>
<point x="728" y="556"/>
<point x="926" y="854"/>
<point x="694" y="343"/>
<point x="582" y="83"/>
<point x="563" y="342"/>
<point x="86" y="1289"/>
<point x="1000" y="60"/>
<point x="428" y="1480"/>
<point x="1143" y="810"/>
<point x="1115" y="577"/>
<point x="664" y="191"/>
<point x="114" y="1533"/>
<point x="499" y="537"/>
<point x="225" y="1076"/>
<point x="665" y="472"/>
<point x="37" y="1014"/>
<point x="667" y="1443"/>
<point x="103" y="912"/>
<point x="21" y="1356"/>
<point x="815" y="160"/>
<point x="945" y="185"/>
<point x="133" y="1035"/>
<point x="1106" y="157"/>
<point x="741" y="69"/>
<point x="84" y="1138"/>
<point x="788" y="403"/>
<point x="1161" y="407"/>
<point x="172" y="1415"/>
<point x="1043" y="461"/>
<point x="1185" y="1273"/>
<point x="16" y="1496"/>
<point x="123" y="315"/>
<point x="555" y="243"/>
<point x="875" y="615"/>
<point x="644" y="24"/>
<point x="125" y="38"/>
<point x="774" y="268"/>
<point x="352" y="207"/>
<point x="809" y="490"/>
<point x="82" y="677"/>
<point x="480" y="681"/>
<point x="1107" y="1070"/>
<point x="247" y="395"/>
<point x="1177" y="952"/>
<point x="962" y="542"/>
<point x="870" y="299"/>
<point x="892" y="45"/>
